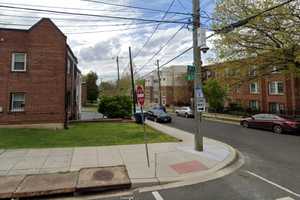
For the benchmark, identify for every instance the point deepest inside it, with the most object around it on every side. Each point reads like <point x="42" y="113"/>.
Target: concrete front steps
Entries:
<point x="86" y="180"/>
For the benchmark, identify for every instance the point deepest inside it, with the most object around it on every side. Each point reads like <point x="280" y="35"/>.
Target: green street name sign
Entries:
<point x="191" y="72"/>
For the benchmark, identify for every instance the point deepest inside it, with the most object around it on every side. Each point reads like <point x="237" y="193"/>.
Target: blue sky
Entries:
<point x="97" y="43"/>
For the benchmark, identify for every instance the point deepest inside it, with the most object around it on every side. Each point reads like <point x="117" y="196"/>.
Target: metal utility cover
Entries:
<point x="103" y="178"/>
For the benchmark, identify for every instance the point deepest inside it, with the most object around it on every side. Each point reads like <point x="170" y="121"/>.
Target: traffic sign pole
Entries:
<point x="141" y="100"/>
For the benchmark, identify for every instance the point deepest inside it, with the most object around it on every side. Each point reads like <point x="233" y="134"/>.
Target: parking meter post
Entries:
<point x="145" y="137"/>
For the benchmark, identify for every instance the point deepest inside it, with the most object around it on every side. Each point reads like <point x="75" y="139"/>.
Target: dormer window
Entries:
<point x="18" y="62"/>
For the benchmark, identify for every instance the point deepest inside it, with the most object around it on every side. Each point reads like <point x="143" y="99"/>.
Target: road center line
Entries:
<point x="275" y="184"/>
<point x="157" y="196"/>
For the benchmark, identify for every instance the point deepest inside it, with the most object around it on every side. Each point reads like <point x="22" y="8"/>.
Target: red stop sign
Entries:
<point x="140" y="95"/>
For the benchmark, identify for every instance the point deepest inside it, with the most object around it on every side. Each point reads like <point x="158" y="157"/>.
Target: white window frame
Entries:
<point x="276" y="88"/>
<point x="13" y="62"/>
<point x="256" y="104"/>
<point x="250" y="88"/>
<point x="12" y="100"/>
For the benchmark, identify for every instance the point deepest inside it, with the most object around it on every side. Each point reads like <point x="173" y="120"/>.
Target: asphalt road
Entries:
<point x="271" y="170"/>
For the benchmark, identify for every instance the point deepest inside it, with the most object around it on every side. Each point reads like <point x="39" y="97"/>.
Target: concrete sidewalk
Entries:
<point x="169" y="162"/>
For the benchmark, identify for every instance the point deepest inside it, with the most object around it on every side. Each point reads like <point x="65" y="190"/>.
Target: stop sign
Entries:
<point x="140" y="95"/>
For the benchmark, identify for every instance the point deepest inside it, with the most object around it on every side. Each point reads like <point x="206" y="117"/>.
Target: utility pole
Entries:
<point x="118" y="83"/>
<point x="132" y="82"/>
<point x="159" y="83"/>
<point x="197" y="81"/>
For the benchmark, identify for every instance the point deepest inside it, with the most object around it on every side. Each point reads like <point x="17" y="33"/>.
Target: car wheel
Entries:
<point x="155" y="119"/>
<point x="186" y="115"/>
<point x="277" y="129"/>
<point x="177" y="114"/>
<point x="245" y="124"/>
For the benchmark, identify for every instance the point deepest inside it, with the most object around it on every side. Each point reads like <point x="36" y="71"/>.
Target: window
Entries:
<point x="254" y="88"/>
<point x="17" y="102"/>
<point x="253" y="104"/>
<point x="252" y="71"/>
<point x="276" y="87"/>
<point x="18" y="62"/>
<point x="276" y="108"/>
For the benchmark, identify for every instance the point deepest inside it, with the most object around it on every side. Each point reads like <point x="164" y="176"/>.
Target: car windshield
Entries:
<point x="161" y="113"/>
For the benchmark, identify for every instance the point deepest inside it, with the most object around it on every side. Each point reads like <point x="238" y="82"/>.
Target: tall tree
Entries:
<point x="92" y="87"/>
<point x="215" y="94"/>
<point x="273" y="37"/>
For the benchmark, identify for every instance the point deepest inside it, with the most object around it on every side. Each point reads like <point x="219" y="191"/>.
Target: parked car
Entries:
<point x="185" y="112"/>
<point x="139" y="115"/>
<point x="158" y="115"/>
<point x="158" y="107"/>
<point x="276" y="123"/>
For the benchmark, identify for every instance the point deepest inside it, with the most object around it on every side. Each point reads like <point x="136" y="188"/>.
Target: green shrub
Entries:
<point x="115" y="106"/>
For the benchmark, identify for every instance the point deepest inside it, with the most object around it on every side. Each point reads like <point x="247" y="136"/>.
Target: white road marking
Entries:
<point x="285" y="198"/>
<point x="275" y="184"/>
<point x="157" y="196"/>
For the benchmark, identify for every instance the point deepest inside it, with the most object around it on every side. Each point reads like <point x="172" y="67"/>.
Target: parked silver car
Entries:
<point x="185" y="112"/>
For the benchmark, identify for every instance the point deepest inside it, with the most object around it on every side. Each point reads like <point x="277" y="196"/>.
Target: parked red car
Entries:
<point x="277" y="124"/>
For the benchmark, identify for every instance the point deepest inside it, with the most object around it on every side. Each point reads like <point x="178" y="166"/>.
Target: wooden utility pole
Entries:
<point x="159" y="83"/>
<point x="197" y="81"/>
<point x="118" y="83"/>
<point x="132" y="82"/>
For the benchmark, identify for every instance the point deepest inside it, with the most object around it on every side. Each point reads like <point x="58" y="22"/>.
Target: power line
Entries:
<point x="243" y="22"/>
<point x="155" y="29"/>
<point x="84" y="25"/>
<point x="163" y="65"/>
<point x="161" y="48"/>
<point x="136" y="7"/>
<point x="68" y="8"/>
<point x="153" y="32"/>
<point x="94" y="15"/>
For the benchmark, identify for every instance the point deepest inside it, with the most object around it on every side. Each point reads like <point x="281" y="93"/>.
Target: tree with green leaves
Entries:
<point x="215" y="94"/>
<point x="92" y="87"/>
<point x="273" y="37"/>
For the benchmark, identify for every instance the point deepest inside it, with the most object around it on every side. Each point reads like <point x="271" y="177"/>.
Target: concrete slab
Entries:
<point x="15" y="153"/>
<point x="58" y="162"/>
<point x="8" y="163"/>
<point x="47" y="184"/>
<point x="8" y="185"/>
<point x="3" y="172"/>
<point x="23" y="171"/>
<point x="61" y="152"/>
<point x="109" y="157"/>
<point x="103" y="178"/>
<point x="38" y="152"/>
<point x="30" y="163"/>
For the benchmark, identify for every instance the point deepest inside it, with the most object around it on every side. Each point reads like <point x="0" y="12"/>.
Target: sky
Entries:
<point x="98" y="41"/>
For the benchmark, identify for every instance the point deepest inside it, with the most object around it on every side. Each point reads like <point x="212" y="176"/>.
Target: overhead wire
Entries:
<point x="136" y="7"/>
<point x="93" y="15"/>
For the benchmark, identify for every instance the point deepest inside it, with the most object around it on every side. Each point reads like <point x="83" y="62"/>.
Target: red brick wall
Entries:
<point x="43" y="82"/>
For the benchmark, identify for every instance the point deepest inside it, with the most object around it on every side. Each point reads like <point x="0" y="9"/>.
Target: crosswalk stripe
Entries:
<point x="275" y="184"/>
<point x="285" y="198"/>
<point x="157" y="196"/>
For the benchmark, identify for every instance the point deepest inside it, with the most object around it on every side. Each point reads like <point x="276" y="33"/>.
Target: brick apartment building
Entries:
<point x="40" y="83"/>
<point x="278" y="92"/>
<point x="175" y="89"/>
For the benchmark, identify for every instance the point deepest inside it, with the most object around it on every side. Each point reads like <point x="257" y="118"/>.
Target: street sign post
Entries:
<point x="141" y="101"/>
<point x="190" y="72"/>
<point x="200" y="104"/>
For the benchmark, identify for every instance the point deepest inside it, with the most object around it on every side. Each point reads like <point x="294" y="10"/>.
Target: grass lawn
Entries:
<point x="81" y="134"/>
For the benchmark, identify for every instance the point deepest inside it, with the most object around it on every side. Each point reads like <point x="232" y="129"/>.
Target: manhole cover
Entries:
<point x="103" y="175"/>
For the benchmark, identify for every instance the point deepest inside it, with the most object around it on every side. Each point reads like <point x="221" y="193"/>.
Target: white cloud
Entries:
<point x="95" y="51"/>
